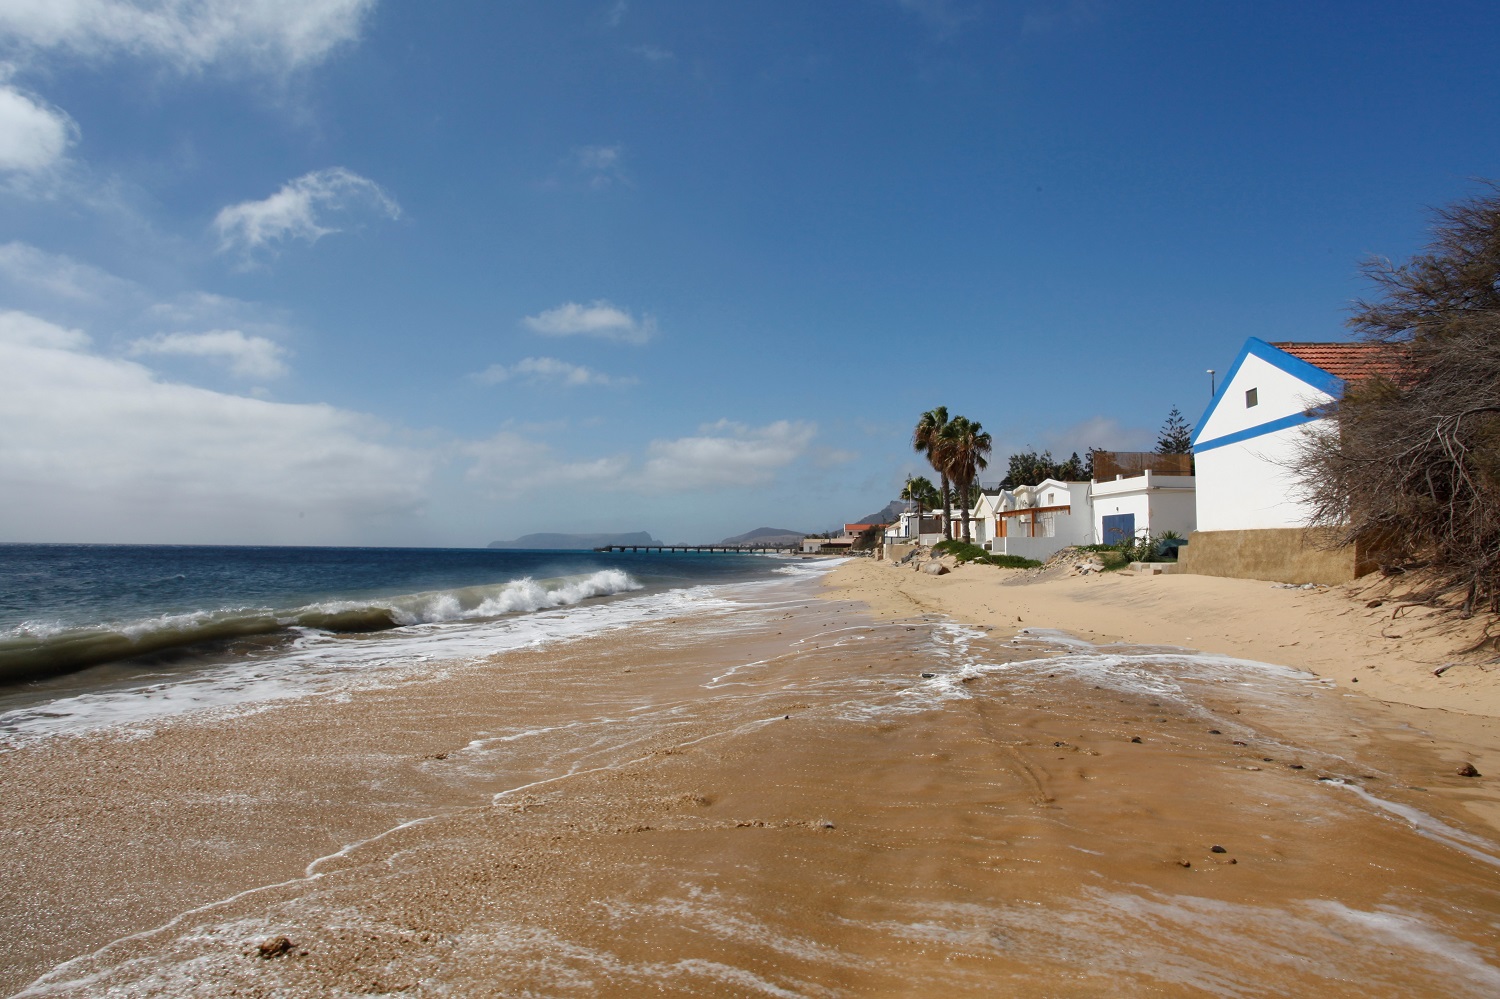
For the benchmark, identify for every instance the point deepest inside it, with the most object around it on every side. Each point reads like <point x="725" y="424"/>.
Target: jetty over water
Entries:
<point x="743" y="549"/>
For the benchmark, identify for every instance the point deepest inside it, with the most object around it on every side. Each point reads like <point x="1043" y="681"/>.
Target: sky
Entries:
<point x="382" y="272"/>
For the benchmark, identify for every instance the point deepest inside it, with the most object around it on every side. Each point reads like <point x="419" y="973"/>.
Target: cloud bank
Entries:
<point x="247" y="356"/>
<point x="188" y="35"/>
<point x="94" y="448"/>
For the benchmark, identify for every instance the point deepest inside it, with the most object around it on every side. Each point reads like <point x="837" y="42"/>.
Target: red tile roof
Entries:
<point x="1353" y="362"/>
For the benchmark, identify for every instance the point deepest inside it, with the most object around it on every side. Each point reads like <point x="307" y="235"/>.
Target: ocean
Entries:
<point x="95" y="635"/>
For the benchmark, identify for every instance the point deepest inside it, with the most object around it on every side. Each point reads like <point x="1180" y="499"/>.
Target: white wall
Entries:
<point x="1159" y="503"/>
<point x="1038" y="548"/>
<point x="1280" y="394"/>
<point x="1245" y="486"/>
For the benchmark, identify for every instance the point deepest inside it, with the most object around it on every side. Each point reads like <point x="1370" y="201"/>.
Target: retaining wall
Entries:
<point x="1282" y="555"/>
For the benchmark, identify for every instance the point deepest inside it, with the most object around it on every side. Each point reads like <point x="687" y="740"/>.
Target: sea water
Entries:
<point x="97" y="635"/>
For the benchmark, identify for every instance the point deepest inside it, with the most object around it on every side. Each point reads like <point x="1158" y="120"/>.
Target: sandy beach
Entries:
<point x="874" y="794"/>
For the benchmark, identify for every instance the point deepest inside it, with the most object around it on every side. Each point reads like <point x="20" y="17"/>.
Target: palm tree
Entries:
<point x="927" y="439"/>
<point x="964" y="448"/>
<point x="923" y="493"/>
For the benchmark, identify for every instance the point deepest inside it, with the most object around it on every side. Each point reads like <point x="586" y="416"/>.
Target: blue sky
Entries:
<point x="380" y="272"/>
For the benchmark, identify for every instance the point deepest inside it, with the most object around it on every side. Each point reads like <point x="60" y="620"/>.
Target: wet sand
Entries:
<point x="769" y="801"/>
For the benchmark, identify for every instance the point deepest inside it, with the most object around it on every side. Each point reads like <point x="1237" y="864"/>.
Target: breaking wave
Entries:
<point x="35" y="650"/>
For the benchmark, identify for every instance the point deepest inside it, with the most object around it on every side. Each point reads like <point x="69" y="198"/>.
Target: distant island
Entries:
<point x="569" y="541"/>
<point x="766" y="536"/>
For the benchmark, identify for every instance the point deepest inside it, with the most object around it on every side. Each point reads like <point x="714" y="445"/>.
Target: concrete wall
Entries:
<point x="1040" y="549"/>
<point x="1282" y="555"/>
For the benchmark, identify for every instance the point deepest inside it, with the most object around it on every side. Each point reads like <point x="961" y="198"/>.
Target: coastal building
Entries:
<point x="1148" y="504"/>
<point x="1252" y="520"/>
<point x="1033" y="521"/>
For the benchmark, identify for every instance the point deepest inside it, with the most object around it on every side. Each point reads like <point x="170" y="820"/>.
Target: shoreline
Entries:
<point x="779" y="795"/>
<point x="1329" y="631"/>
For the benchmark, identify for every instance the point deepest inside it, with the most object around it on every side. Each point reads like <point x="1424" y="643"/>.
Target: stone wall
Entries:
<point x="1283" y="555"/>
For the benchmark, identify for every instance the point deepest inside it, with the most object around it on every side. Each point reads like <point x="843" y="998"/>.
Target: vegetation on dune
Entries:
<point x="963" y="551"/>
<point x="1410" y="471"/>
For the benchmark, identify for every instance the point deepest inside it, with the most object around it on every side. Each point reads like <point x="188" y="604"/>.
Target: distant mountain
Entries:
<point x="764" y="536"/>
<point x="571" y="541"/>
<point x="888" y="515"/>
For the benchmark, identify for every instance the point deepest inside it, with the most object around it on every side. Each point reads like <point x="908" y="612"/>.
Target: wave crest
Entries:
<point x="34" y="650"/>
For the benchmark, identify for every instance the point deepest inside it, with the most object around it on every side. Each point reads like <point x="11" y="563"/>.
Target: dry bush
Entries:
<point x="1410" y="466"/>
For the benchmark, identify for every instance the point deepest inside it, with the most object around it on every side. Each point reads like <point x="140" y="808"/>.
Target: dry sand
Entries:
<point x="1388" y="651"/>
<point x="777" y="801"/>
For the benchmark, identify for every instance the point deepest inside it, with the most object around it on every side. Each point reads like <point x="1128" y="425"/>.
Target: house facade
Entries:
<point x="1033" y="521"/>
<point x="1143" y="505"/>
<point x="1252" y="517"/>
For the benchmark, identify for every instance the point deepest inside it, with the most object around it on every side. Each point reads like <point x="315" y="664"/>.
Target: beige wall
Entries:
<point x="1283" y="555"/>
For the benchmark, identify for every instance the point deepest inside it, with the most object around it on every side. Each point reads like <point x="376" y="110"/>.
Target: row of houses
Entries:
<point x="1240" y="503"/>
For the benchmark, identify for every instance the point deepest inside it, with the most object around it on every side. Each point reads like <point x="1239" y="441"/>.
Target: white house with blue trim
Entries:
<point x="1246" y="441"/>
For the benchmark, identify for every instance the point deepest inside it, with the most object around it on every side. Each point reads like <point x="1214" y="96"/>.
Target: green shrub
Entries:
<point x="964" y="552"/>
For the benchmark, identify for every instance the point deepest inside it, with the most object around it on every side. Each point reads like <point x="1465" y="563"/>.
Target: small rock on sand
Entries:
<point x="274" y="947"/>
<point x="1468" y="770"/>
<point x="935" y="569"/>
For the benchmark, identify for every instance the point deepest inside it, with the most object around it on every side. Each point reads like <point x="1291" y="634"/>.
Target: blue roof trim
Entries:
<point x="1295" y="420"/>
<point x="1294" y="366"/>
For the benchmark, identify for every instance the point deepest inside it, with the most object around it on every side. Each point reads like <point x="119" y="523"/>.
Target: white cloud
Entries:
<point x="100" y="449"/>
<point x="33" y="136"/>
<point x="28" y="272"/>
<point x="548" y="369"/>
<point x="720" y="456"/>
<point x="601" y="319"/>
<point x="300" y="210"/>
<point x="652" y="53"/>
<point x="723" y="455"/>
<point x="189" y="35"/>
<point x="513" y="465"/>
<point x="247" y="356"/>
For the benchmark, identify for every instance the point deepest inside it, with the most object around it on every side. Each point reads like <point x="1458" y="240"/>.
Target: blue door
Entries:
<point x="1120" y="527"/>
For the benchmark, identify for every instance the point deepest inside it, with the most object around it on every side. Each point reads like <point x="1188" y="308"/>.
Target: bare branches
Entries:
<point x="1411" y="467"/>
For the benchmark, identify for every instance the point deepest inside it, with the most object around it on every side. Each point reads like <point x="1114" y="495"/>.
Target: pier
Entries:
<point x="742" y="549"/>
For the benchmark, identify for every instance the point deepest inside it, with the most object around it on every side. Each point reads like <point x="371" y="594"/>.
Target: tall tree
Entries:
<point x="1176" y="435"/>
<point x="927" y="439"/>
<point x="923" y="493"/>
<point x="965" y="448"/>
<point x="1412" y="472"/>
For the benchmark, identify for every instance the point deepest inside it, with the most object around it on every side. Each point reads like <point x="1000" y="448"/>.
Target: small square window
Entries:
<point x="1251" y="397"/>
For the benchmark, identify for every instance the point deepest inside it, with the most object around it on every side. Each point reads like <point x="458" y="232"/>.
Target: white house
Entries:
<point x="1148" y="504"/>
<point x="1033" y="521"/>
<point x="1251" y="518"/>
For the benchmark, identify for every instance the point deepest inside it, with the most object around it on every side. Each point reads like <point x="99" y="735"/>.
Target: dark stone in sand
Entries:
<point x="1296" y="766"/>
<point x="1185" y="863"/>
<point x="1135" y="738"/>
<point x="1374" y="603"/>
<point x="1467" y="770"/>
<point x="275" y="947"/>
<point x="1241" y="742"/>
<point x="1214" y="731"/>
<point x="786" y="717"/>
<point x="1216" y="848"/>
<point x="928" y="676"/>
